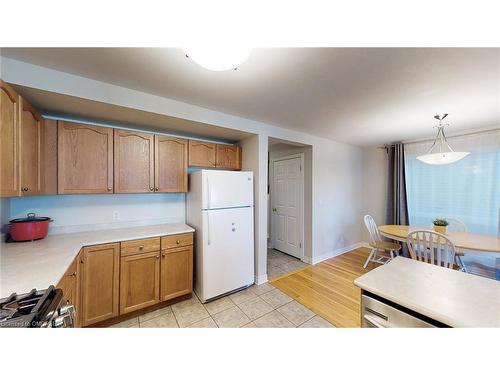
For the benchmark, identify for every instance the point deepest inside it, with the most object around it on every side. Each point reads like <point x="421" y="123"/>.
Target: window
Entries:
<point x="468" y="190"/>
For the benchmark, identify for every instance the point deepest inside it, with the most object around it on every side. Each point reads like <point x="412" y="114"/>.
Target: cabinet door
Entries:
<point x="85" y="159"/>
<point x="201" y="154"/>
<point x="100" y="267"/>
<point x="176" y="272"/>
<point x="9" y="141"/>
<point x="134" y="164"/>
<point x="30" y="129"/>
<point x="68" y="284"/>
<point x="171" y="156"/>
<point x="228" y="157"/>
<point x="49" y="157"/>
<point x="139" y="281"/>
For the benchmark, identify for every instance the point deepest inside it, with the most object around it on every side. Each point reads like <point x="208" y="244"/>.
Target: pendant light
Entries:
<point x="218" y="58"/>
<point x="440" y="151"/>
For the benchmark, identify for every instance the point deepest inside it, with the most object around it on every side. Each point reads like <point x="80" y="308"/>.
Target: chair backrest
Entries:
<point x="456" y="225"/>
<point x="431" y="247"/>
<point x="372" y="229"/>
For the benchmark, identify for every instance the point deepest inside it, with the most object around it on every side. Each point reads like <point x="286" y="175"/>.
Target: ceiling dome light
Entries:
<point x="440" y="151"/>
<point x="218" y="59"/>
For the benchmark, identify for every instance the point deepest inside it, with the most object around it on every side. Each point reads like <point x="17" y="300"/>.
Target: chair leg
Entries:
<point x="460" y="263"/>
<point x="370" y="256"/>
<point x="392" y="254"/>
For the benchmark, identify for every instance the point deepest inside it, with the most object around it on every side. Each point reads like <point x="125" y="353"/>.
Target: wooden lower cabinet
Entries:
<point x="176" y="272"/>
<point x="139" y="281"/>
<point x="99" y="277"/>
<point x="109" y="280"/>
<point x="69" y="284"/>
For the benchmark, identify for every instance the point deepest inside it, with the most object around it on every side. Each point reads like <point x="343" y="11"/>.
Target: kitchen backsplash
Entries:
<point x="78" y="213"/>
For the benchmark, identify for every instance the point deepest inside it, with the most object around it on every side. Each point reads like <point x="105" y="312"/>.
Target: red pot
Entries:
<point x="29" y="228"/>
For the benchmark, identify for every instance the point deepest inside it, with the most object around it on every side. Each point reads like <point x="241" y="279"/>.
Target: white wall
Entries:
<point x="75" y="213"/>
<point x="337" y="171"/>
<point x="4" y="214"/>
<point x="375" y="185"/>
<point x="253" y="151"/>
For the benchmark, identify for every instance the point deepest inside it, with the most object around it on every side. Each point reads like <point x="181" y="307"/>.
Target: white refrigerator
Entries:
<point x="220" y="208"/>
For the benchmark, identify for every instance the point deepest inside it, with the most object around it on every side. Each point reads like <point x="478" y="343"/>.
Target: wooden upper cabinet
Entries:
<point x="171" y="163"/>
<point x="49" y="157"/>
<point x="30" y="129"/>
<point x="85" y="159"/>
<point x="134" y="162"/>
<point x="99" y="283"/>
<point x="139" y="281"/>
<point x="201" y="154"/>
<point x="228" y="157"/>
<point x="9" y="141"/>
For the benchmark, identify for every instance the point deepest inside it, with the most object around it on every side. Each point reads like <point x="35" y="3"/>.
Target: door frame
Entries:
<point x="301" y="199"/>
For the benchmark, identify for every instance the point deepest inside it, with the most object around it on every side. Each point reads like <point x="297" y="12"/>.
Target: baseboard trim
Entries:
<point x="262" y="279"/>
<point x="335" y="253"/>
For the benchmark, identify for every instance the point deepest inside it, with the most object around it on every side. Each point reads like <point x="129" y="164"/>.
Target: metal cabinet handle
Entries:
<point x="156" y="189"/>
<point x="109" y="189"/>
<point x="151" y="188"/>
<point x="141" y="247"/>
<point x="25" y="189"/>
<point x="163" y="255"/>
<point x="73" y="274"/>
<point x="177" y="242"/>
<point x="157" y="257"/>
<point x="375" y="322"/>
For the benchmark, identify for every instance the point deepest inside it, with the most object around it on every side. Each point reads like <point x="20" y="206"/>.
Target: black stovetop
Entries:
<point x="30" y="309"/>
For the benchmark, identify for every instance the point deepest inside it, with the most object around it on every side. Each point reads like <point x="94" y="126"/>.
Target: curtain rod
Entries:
<point x="448" y="137"/>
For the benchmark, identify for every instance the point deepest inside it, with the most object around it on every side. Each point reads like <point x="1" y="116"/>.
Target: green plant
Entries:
<point x="440" y="222"/>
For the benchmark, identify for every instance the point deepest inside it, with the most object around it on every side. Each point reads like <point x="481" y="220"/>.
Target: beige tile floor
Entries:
<point x="279" y="263"/>
<point x="259" y="306"/>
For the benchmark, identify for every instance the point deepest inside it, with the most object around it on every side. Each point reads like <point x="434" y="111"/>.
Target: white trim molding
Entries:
<point x="260" y="279"/>
<point x="334" y="253"/>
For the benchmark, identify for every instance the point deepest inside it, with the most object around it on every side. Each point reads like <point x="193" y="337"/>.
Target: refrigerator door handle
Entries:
<point x="208" y="194"/>
<point x="208" y="228"/>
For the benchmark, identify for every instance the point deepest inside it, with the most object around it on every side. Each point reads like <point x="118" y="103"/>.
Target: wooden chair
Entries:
<point x="457" y="225"/>
<point x="431" y="247"/>
<point x="378" y="245"/>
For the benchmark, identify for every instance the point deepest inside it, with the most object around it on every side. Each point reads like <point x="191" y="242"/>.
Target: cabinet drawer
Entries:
<point x="140" y="246"/>
<point x="178" y="240"/>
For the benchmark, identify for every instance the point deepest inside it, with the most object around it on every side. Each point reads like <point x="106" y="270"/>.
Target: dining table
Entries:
<point x="463" y="241"/>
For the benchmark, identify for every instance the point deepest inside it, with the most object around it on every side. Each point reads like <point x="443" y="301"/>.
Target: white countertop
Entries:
<point x="38" y="264"/>
<point x="451" y="297"/>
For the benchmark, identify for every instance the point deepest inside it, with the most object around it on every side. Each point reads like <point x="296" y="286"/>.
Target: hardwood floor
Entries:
<point x="327" y="288"/>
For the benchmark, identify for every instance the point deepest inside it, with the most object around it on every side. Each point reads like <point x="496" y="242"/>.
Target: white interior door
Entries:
<point x="287" y="206"/>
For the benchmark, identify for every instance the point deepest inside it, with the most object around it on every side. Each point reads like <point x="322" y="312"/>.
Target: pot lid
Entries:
<point x="29" y="218"/>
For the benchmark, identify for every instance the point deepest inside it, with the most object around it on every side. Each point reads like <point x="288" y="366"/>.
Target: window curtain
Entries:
<point x="397" y="207"/>
<point x="468" y="189"/>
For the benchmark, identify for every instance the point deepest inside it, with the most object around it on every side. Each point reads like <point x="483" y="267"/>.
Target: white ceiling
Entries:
<point x="362" y="96"/>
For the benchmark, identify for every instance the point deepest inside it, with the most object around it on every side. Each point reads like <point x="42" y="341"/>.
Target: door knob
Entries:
<point x="25" y="189"/>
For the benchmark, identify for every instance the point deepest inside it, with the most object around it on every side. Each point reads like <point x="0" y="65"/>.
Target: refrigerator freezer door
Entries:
<point x="226" y="189"/>
<point x="228" y="251"/>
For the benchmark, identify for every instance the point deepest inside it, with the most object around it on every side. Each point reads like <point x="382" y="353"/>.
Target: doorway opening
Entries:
<point x="289" y="207"/>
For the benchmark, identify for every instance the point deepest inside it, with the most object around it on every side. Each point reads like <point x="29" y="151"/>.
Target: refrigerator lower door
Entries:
<point x="228" y="251"/>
